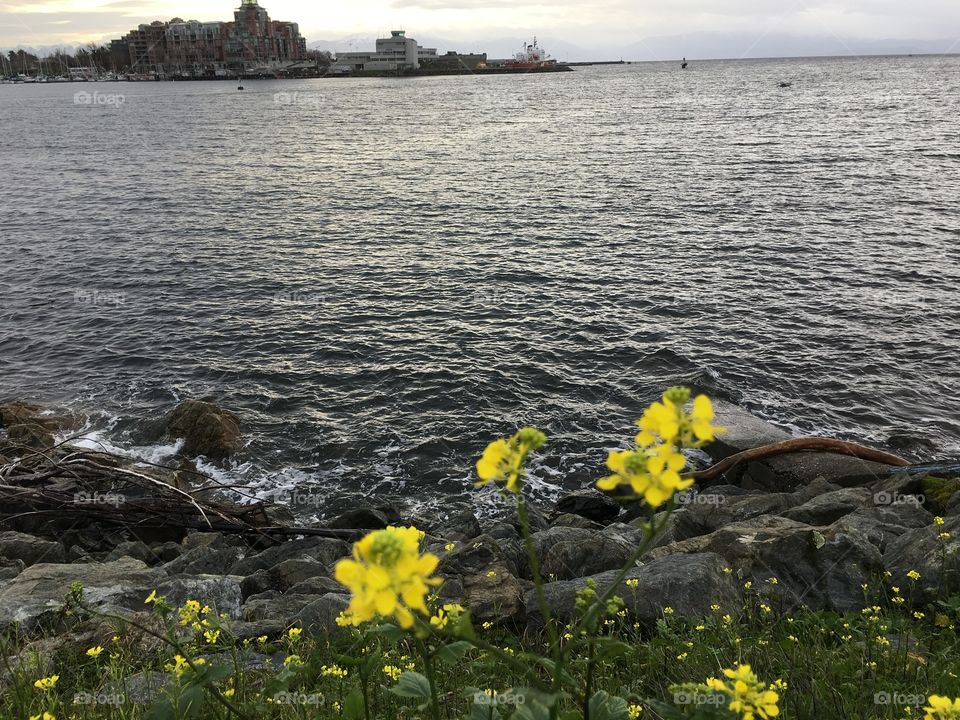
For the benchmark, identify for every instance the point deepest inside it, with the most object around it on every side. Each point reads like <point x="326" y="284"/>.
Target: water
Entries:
<point x="382" y="275"/>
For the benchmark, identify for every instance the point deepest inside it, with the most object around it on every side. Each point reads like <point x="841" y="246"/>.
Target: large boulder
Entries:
<point x="821" y="568"/>
<point x="30" y="425"/>
<point x="205" y="429"/>
<point x="221" y="592"/>
<point x="37" y="594"/>
<point x="565" y="553"/>
<point x="323" y="550"/>
<point x="937" y="560"/>
<point x="30" y="549"/>
<point x="690" y="584"/>
<point x="830" y="507"/>
<point x="591" y="504"/>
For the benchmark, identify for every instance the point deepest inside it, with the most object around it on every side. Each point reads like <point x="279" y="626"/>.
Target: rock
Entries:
<point x="31" y="425"/>
<point x="205" y="429"/>
<point x="137" y="550"/>
<point x="494" y="596"/>
<point x="953" y="507"/>
<point x="937" y="561"/>
<point x="319" y="618"/>
<point x="567" y="553"/>
<point x="204" y="561"/>
<point x="361" y="519"/>
<point x="221" y="592"/>
<point x="744" y="431"/>
<point x="213" y="540"/>
<point x="822" y="568"/>
<point x="37" y="594"/>
<point x="144" y="688"/>
<point x="30" y="549"/>
<point x="462" y="526"/>
<point x="689" y="584"/>
<point x="476" y="557"/>
<point x="591" y="504"/>
<point x="828" y="508"/>
<point x="10" y="568"/>
<point x="283" y="576"/>
<point x="317" y="585"/>
<point x="575" y="521"/>
<point x="315" y="615"/>
<point x="324" y="550"/>
<point x="880" y="524"/>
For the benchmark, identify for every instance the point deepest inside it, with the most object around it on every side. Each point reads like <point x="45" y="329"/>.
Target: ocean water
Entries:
<point x="381" y="275"/>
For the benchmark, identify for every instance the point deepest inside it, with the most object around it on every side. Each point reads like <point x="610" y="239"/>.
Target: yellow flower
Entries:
<point x="668" y="611"/>
<point x="632" y="583"/>
<point x="387" y="576"/>
<point x="46" y="683"/>
<point x="943" y="536"/>
<point x="392" y="672"/>
<point x="292" y="660"/>
<point x="190" y="613"/>
<point x="634" y="712"/>
<point x="682" y="656"/>
<point x="94" y="652"/>
<point x="773" y="581"/>
<point x="668" y="421"/>
<point x="913" y="575"/>
<point x="45" y="716"/>
<point x="445" y="614"/>
<point x="333" y="671"/>
<point x="938" y="520"/>
<point x="449" y="547"/>
<point x="262" y="640"/>
<point x="503" y="460"/>
<point x="180" y="665"/>
<point x="151" y="598"/>
<point x="652" y="474"/>
<point x="491" y="573"/>
<point x="293" y="634"/>
<point x="211" y="636"/>
<point x="229" y="692"/>
<point x="747" y="695"/>
<point x="941" y="707"/>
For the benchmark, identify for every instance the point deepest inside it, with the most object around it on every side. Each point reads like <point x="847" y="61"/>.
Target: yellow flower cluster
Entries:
<point x="503" y="460"/>
<point x="179" y="666"/>
<point x="46" y="716"/>
<point x="746" y="694"/>
<point x="653" y="469"/>
<point x="942" y="708"/>
<point x="46" y="683"/>
<point x="443" y="616"/>
<point x="387" y="576"/>
<point x="392" y="672"/>
<point x="333" y="671"/>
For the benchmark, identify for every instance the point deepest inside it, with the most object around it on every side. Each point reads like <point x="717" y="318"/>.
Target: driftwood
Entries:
<point x="806" y="444"/>
<point x="49" y="491"/>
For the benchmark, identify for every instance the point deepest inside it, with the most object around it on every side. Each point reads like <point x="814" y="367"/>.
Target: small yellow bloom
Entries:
<point x="634" y="712"/>
<point x="668" y="611"/>
<point x="292" y="660"/>
<point x="229" y="692"/>
<point x="503" y="460"/>
<point x="211" y="636"/>
<point x="632" y="583"/>
<point x="392" y="672"/>
<point x="94" y="652"/>
<point x="938" y="520"/>
<point x="449" y="547"/>
<point x="913" y="575"/>
<point x="940" y="707"/>
<point x="46" y="683"/>
<point x="652" y="474"/>
<point x="44" y="716"/>
<point x="943" y="536"/>
<point x="151" y="598"/>
<point x="293" y="634"/>
<point x="682" y="656"/>
<point x="747" y="695"/>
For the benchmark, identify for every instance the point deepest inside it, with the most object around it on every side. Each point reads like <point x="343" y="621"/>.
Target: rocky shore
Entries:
<point x="806" y="529"/>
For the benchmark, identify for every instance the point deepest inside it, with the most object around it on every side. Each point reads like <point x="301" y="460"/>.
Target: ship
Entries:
<point x="532" y="57"/>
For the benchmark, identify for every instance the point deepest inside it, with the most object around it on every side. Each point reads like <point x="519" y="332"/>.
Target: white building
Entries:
<point x="397" y="52"/>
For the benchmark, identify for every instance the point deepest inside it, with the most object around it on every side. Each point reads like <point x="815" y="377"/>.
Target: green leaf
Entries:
<point x="450" y="654"/>
<point x="484" y="712"/>
<point x="608" y="648"/>
<point x="353" y="706"/>
<point x="604" y="706"/>
<point x="391" y="633"/>
<point x="412" y="685"/>
<point x="463" y="627"/>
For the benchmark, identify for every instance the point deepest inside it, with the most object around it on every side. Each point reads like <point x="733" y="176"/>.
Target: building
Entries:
<point x="252" y="43"/>
<point x="456" y="61"/>
<point x="397" y="52"/>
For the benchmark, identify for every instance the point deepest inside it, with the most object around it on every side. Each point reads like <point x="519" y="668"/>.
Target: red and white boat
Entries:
<point x="532" y="57"/>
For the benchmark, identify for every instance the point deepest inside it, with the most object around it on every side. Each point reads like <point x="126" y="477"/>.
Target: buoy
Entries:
<point x="239" y="87"/>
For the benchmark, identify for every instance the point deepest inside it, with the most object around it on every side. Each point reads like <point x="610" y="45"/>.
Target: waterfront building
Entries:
<point x="251" y="43"/>
<point x="397" y="52"/>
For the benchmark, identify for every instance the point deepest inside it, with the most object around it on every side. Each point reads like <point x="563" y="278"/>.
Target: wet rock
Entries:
<point x="37" y="594"/>
<point x="316" y="615"/>
<point x="881" y="524"/>
<point x="324" y="550"/>
<point x="205" y="429"/>
<point x="591" y="504"/>
<point x="937" y="561"/>
<point x="474" y="557"/>
<point x="461" y="526"/>
<point x="744" y="431"/>
<point x="32" y="426"/>
<point x="30" y="549"/>
<point x="689" y="584"/>
<point x="575" y="521"/>
<point x="362" y="519"/>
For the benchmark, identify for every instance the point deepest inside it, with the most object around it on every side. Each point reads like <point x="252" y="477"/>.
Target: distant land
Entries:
<point x="695" y="46"/>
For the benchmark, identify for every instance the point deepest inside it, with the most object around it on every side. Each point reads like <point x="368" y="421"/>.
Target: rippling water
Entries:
<point x="380" y="275"/>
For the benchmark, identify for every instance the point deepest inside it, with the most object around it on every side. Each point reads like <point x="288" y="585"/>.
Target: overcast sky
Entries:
<point x="582" y="22"/>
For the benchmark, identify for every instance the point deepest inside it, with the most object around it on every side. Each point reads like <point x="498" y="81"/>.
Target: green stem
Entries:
<point x="431" y="678"/>
<point x="588" y="683"/>
<point x="524" y="517"/>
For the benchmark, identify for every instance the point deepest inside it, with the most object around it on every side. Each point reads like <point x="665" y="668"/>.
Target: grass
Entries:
<point x="881" y="663"/>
